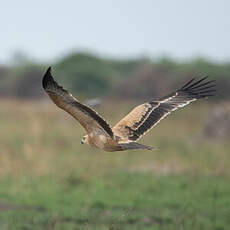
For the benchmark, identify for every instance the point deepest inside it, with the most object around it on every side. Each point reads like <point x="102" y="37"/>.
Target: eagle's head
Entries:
<point x="85" y="139"/>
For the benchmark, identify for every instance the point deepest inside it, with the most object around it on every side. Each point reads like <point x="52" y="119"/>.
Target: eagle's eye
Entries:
<point x="83" y="140"/>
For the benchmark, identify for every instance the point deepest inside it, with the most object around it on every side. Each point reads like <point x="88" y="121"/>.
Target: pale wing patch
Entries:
<point x="133" y="120"/>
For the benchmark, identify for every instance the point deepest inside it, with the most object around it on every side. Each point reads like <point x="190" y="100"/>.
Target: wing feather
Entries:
<point x="87" y="117"/>
<point x="142" y="118"/>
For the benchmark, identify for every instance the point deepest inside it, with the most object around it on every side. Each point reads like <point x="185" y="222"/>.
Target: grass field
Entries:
<point x="48" y="180"/>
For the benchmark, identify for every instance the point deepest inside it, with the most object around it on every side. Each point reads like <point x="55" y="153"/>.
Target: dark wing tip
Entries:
<point x="188" y="83"/>
<point x="199" y="88"/>
<point x="50" y="85"/>
<point x="47" y="78"/>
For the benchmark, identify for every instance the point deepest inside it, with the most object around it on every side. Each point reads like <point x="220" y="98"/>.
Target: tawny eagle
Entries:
<point x="141" y="119"/>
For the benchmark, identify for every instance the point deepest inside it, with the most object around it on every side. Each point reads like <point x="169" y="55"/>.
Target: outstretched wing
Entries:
<point x="142" y="118"/>
<point x="87" y="117"/>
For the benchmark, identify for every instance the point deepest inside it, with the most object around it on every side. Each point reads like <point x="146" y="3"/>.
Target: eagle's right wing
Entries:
<point x="87" y="117"/>
<point x="142" y="118"/>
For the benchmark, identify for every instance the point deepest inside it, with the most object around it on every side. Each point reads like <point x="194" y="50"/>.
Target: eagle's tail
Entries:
<point x="135" y="145"/>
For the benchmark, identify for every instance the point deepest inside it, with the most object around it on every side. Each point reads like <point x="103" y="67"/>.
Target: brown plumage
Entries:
<point x="140" y="120"/>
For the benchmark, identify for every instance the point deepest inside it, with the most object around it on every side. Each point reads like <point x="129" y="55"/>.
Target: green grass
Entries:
<point x="48" y="180"/>
<point x="119" y="201"/>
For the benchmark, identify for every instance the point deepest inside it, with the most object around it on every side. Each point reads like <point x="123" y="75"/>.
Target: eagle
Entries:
<point x="141" y="119"/>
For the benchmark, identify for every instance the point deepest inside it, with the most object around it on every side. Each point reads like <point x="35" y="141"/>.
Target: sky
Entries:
<point x="48" y="29"/>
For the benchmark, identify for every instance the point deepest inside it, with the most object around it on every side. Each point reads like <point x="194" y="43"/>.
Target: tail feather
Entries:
<point x="135" y="145"/>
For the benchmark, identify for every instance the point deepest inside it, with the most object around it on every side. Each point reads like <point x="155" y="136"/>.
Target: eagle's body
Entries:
<point x="141" y="119"/>
<point x="98" y="139"/>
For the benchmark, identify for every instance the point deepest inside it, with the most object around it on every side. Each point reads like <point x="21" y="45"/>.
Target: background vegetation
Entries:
<point x="92" y="76"/>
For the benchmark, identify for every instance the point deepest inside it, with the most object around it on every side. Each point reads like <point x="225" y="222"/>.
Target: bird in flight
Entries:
<point x="125" y="133"/>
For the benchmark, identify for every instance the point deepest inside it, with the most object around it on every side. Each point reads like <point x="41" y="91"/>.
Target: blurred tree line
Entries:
<point x="89" y="75"/>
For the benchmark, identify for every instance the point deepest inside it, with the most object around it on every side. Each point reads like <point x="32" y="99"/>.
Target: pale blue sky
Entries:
<point x="46" y="29"/>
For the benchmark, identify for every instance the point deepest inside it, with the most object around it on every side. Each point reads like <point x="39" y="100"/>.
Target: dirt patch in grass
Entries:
<point x="9" y="207"/>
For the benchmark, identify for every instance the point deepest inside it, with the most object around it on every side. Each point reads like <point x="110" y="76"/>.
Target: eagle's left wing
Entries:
<point x="142" y="118"/>
<point x="87" y="117"/>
